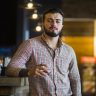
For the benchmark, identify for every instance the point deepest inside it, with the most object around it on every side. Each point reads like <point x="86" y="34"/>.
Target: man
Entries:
<point x="50" y="64"/>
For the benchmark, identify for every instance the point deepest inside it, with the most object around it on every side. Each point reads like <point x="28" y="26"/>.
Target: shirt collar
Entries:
<point x="60" y="43"/>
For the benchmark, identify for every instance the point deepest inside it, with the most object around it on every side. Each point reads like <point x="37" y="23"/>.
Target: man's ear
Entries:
<point x="62" y="25"/>
<point x="42" y="25"/>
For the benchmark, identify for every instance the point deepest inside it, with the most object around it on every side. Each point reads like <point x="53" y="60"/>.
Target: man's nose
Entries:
<point x="54" y="23"/>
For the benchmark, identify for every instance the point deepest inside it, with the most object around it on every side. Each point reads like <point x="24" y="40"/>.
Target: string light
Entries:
<point x="30" y="5"/>
<point x="35" y="15"/>
<point x="34" y="6"/>
<point x="38" y="28"/>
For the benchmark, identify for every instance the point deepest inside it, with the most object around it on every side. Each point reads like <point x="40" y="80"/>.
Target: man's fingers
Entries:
<point x="44" y="68"/>
<point x="40" y="72"/>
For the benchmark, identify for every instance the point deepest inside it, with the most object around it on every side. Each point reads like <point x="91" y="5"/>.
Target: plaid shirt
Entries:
<point x="63" y="78"/>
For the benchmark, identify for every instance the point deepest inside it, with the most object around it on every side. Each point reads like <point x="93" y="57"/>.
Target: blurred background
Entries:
<point x="21" y="20"/>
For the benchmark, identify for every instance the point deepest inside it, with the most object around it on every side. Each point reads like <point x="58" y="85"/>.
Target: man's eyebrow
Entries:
<point x="55" y="19"/>
<point x="59" y="19"/>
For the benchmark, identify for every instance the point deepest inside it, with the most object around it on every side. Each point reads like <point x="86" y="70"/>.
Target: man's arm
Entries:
<point x="74" y="76"/>
<point x="17" y="65"/>
<point x="16" y="72"/>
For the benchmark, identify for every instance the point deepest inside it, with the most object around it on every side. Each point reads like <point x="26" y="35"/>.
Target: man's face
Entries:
<point x="53" y="24"/>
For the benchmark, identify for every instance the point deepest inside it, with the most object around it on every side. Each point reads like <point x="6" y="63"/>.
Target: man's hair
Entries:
<point x="53" y="10"/>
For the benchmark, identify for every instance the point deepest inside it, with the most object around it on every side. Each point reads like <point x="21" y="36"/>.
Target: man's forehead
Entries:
<point x="53" y="15"/>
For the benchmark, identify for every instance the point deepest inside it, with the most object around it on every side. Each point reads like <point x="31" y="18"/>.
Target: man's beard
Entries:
<point x="52" y="34"/>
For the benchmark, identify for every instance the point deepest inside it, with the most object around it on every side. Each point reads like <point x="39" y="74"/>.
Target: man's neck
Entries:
<point x="51" y="41"/>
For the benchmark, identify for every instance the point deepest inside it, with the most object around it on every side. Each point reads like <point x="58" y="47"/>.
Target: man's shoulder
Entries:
<point x="35" y="41"/>
<point x="32" y="40"/>
<point x="67" y="47"/>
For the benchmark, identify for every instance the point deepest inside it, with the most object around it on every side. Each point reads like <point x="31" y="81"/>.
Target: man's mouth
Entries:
<point x="53" y="28"/>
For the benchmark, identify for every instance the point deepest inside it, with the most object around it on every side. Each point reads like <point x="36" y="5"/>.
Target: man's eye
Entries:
<point x="49" y="21"/>
<point x="58" y="21"/>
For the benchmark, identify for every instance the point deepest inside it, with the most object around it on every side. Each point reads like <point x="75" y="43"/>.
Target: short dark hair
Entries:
<point x="53" y="10"/>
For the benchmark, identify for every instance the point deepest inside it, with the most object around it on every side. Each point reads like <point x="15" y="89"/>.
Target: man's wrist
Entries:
<point x="23" y="73"/>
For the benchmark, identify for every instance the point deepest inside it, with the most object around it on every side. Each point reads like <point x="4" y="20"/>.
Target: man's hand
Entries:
<point x="39" y="70"/>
